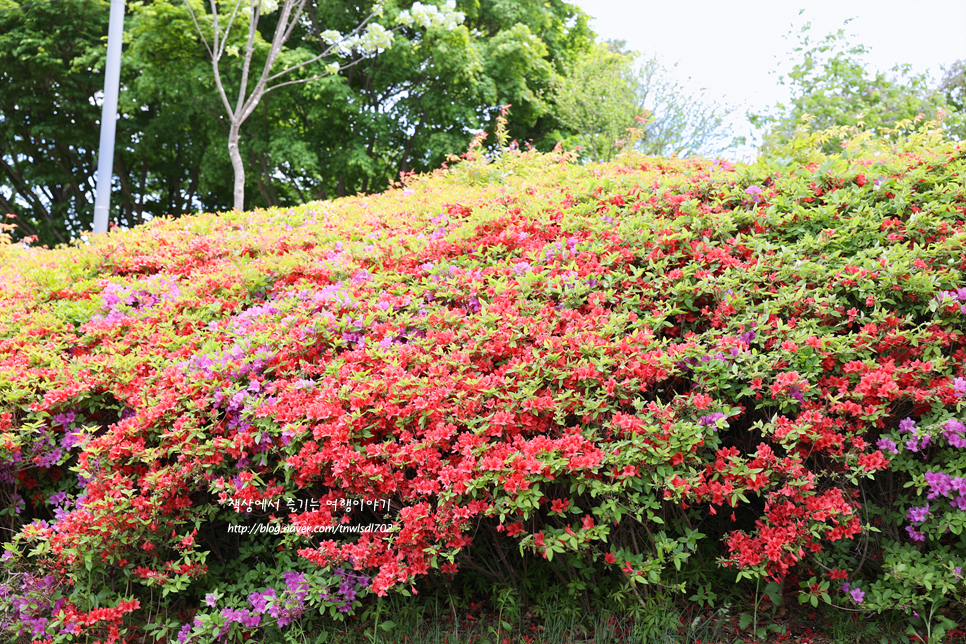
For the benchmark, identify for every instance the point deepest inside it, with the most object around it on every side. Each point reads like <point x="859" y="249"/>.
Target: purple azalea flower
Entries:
<point x="64" y="419"/>
<point x="914" y="534"/>
<point x="71" y="439"/>
<point x="953" y="430"/>
<point x="50" y="458"/>
<point x="940" y="484"/>
<point x="259" y="601"/>
<point x="858" y="596"/>
<point x="917" y="515"/>
<point x="210" y="600"/>
<point x="957" y="440"/>
<point x="251" y="620"/>
<point x="295" y="581"/>
<point x="712" y="419"/>
<point x="233" y="615"/>
<point x="887" y="444"/>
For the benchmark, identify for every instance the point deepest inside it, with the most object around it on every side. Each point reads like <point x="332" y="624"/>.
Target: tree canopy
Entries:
<point x="605" y="92"/>
<point x="423" y="98"/>
<point x="51" y="68"/>
<point x="831" y="86"/>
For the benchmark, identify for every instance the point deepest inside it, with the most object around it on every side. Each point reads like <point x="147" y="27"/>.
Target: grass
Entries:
<point x="440" y="620"/>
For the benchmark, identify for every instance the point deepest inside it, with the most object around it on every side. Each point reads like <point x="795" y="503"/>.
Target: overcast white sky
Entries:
<point x="730" y="46"/>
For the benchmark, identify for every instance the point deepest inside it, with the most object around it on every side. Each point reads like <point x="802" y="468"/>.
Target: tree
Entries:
<point x="602" y="94"/>
<point x="830" y="84"/>
<point x="596" y="99"/>
<point x="405" y="110"/>
<point x="419" y="101"/>
<point x="680" y="122"/>
<point x="953" y="85"/>
<point x="364" y="39"/>
<point x="51" y="69"/>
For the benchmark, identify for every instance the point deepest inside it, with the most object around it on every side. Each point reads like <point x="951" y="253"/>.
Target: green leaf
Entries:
<point x="745" y="620"/>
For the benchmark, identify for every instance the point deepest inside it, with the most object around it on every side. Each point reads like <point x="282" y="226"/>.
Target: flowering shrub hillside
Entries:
<point x="663" y="370"/>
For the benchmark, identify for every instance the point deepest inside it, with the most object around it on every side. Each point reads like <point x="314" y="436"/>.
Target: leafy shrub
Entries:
<point x="660" y="371"/>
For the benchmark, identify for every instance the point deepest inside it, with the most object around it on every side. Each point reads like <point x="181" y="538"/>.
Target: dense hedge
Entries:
<point x="633" y="370"/>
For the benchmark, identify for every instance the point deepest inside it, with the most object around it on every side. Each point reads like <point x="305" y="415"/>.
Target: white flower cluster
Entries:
<point x="431" y="16"/>
<point x="377" y="38"/>
<point x="373" y="40"/>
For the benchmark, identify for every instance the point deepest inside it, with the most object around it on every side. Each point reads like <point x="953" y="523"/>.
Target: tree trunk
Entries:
<point x="234" y="135"/>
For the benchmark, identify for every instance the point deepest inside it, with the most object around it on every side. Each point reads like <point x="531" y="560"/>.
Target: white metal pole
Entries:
<point x="112" y="81"/>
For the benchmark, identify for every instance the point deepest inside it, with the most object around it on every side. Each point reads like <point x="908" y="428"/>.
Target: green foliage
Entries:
<point x="953" y="86"/>
<point x="596" y="99"/>
<point x="605" y="93"/>
<point x="423" y="98"/>
<point x="831" y="87"/>
<point x="51" y="68"/>
<point x="404" y="111"/>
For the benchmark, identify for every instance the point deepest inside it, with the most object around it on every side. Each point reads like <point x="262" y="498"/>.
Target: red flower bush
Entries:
<point x="592" y="361"/>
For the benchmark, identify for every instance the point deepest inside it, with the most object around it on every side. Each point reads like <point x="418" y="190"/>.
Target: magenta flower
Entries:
<point x="940" y="484"/>
<point x="712" y="419"/>
<point x="914" y="534"/>
<point x="887" y="445"/>
<point x="917" y="515"/>
<point x="858" y="596"/>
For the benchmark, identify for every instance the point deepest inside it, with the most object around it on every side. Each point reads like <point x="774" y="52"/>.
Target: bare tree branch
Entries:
<point x="316" y="77"/>
<point x="231" y="22"/>
<point x="201" y="33"/>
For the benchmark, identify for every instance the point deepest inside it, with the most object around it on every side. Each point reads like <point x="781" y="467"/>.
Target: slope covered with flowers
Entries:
<point x="667" y="371"/>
